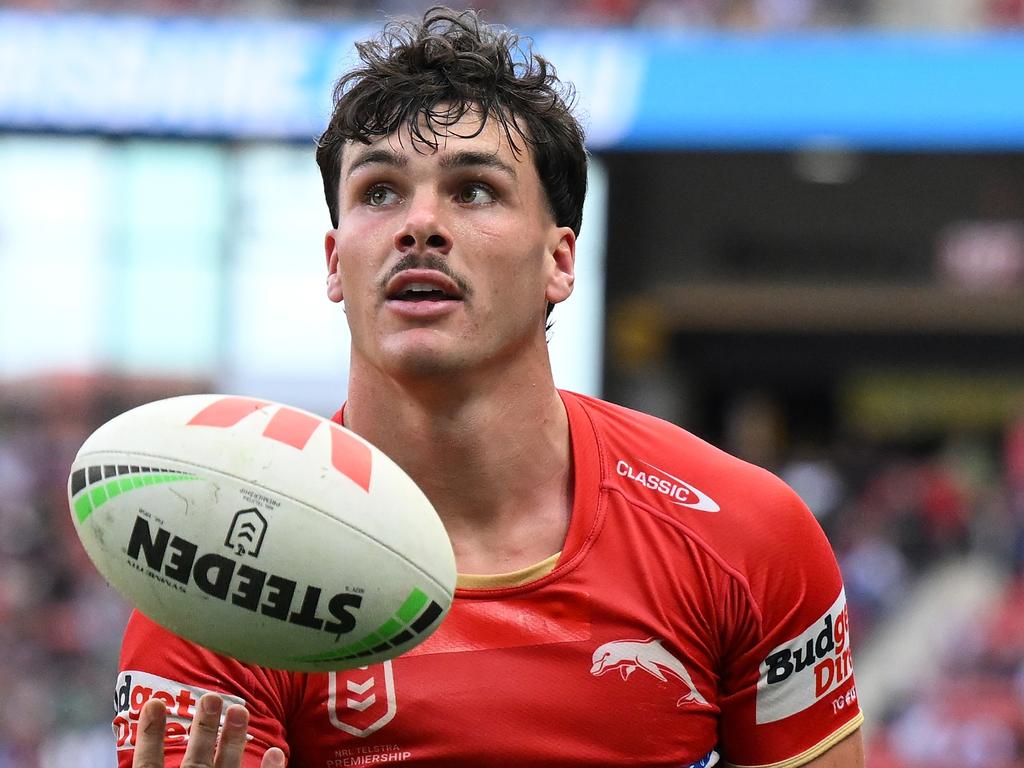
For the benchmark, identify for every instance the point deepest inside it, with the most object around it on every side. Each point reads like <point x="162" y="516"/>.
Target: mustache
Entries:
<point x="427" y="261"/>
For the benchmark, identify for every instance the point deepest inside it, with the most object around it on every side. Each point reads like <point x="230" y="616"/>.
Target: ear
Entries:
<point x="562" y="266"/>
<point x="334" y="287"/>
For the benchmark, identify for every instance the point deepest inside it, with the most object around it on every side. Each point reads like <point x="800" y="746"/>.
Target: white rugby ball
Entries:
<point x="263" y="532"/>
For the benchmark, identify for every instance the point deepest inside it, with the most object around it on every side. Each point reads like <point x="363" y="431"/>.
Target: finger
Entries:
<point x="273" y="758"/>
<point x="149" y="741"/>
<point x="202" y="736"/>
<point x="232" y="737"/>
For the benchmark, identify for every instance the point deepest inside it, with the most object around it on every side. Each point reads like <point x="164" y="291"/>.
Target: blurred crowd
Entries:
<point x="892" y="512"/>
<point x="760" y="15"/>
<point x="60" y="624"/>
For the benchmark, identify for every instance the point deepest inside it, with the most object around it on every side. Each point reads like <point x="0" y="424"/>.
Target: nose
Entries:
<point x="423" y="229"/>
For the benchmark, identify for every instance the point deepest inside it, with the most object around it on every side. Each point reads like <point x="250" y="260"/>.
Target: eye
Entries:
<point x="476" y="193"/>
<point x="379" y="195"/>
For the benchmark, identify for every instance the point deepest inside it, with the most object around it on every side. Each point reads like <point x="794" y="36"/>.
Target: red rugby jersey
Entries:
<point x="696" y="611"/>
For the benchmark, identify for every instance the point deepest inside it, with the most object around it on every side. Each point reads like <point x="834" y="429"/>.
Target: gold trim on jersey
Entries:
<point x="511" y="579"/>
<point x="817" y="750"/>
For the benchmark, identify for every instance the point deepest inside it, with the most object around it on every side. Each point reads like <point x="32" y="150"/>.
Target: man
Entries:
<point x="629" y="593"/>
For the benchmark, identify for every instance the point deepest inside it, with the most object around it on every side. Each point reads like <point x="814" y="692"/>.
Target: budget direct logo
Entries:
<point x="135" y="688"/>
<point x="807" y="668"/>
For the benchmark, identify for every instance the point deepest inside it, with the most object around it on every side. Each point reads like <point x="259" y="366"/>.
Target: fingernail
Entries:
<point x="236" y="716"/>
<point x="210" y="704"/>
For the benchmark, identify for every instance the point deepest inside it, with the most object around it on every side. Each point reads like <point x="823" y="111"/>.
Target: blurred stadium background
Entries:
<point x="805" y="243"/>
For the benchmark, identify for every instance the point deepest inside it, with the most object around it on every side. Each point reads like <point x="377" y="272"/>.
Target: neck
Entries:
<point x="492" y="455"/>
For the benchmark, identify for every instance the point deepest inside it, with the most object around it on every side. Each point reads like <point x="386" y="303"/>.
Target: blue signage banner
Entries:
<point x="241" y="79"/>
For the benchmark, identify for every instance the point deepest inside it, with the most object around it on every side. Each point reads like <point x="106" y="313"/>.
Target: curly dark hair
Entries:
<point x="427" y="75"/>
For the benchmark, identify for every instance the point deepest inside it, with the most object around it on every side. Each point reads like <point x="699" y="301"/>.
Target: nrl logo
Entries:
<point x="361" y="701"/>
<point x="245" y="536"/>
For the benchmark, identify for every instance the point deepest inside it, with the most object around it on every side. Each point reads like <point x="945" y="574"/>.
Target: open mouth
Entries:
<point x="423" y="287"/>
<point x="422" y="292"/>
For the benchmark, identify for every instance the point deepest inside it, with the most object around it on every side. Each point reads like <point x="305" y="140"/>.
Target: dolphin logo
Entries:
<point x="649" y="655"/>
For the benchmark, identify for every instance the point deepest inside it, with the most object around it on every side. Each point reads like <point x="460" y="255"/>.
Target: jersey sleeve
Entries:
<point x="155" y="663"/>
<point x="788" y="691"/>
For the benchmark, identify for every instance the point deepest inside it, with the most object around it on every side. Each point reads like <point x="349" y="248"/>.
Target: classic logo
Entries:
<point x="679" y="491"/>
<point x="134" y="688"/>
<point x="627" y="656"/>
<point x="361" y="701"/>
<point x="245" y="536"/>
<point x="349" y="456"/>
<point x="803" y="670"/>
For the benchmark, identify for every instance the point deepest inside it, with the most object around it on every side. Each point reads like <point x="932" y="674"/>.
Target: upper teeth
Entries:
<point x="421" y="287"/>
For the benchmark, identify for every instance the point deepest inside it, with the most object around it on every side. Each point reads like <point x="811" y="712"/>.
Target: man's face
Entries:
<point x="445" y="259"/>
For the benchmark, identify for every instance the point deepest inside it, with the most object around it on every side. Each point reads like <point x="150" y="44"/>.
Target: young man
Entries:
<point x="629" y="593"/>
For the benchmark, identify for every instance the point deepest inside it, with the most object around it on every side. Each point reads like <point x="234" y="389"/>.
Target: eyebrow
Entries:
<point x="463" y="159"/>
<point x="470" y="159"/>
<point x="378" y="157"/>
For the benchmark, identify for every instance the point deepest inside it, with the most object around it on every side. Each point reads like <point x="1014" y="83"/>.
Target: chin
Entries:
<point x="424" y="357"/>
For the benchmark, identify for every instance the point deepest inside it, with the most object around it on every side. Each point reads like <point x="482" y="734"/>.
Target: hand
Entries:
<point x="203" y="750"/>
